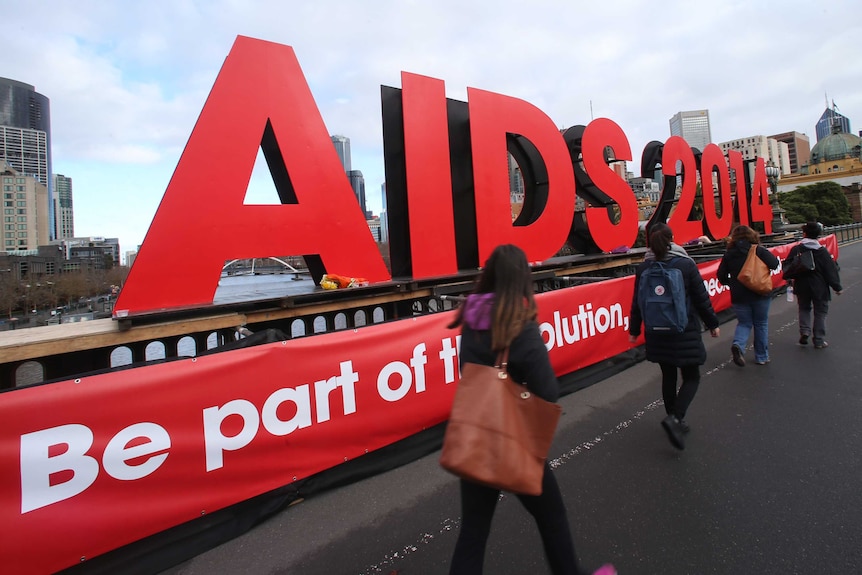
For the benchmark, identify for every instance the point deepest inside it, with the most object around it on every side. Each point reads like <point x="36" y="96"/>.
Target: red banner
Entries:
<point x="95" y="463"/>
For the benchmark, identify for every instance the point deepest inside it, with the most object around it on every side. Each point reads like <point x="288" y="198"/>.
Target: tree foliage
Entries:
<point x="10" y="292"/>
<point x="822" y="202"/>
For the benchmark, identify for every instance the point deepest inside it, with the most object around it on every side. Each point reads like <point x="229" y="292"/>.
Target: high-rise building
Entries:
<point x="798" y="149"/>
<point x="63" y="214"/>
<point x="831" y="122"/>
<point x="384" y="215"/>
<point x="25" y="135"/>
<point x="25" y="210"/>
<point x="357" y="182"/>
<point x="693" y="127"/>
<point x="342" y="146"/>
<point x="771" y="150"/>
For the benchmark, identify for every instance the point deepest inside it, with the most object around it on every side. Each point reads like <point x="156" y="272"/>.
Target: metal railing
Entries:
<point x="845" y="233"/>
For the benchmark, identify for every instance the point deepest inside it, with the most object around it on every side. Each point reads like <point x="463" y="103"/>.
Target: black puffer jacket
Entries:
<point x="684" y="348"/>
<point x="825" y="275"/>
<point x="528" y="357"/>
<point x="732" y="261"/>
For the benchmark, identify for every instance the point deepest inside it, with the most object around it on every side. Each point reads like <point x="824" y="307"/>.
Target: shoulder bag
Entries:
<point x="499" y="433"/>
<point x="755" y="274"/>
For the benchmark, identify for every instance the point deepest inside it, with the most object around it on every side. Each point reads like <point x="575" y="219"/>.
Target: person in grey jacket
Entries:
<point x="812" y="289"/>
<point x="501" y="314"/>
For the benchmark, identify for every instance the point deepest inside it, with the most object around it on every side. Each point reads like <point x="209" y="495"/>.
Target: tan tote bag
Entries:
<point x="755" y="274"/>
<point x="499" y="433"/>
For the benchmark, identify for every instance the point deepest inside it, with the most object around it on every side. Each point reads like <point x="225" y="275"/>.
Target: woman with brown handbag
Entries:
<point x="751" y="308"/>
<point x="500" y="315"/>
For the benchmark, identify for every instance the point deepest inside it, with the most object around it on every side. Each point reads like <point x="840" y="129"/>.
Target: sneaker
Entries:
<point x="821" y="345"/>
<point x="684" y="426"/>
<point x="606" y="569"/>
<point x="737" y="355"/>
<point x="674" y="431"/>
<point x="803" y="339"/>
<point x="761" y="362"/>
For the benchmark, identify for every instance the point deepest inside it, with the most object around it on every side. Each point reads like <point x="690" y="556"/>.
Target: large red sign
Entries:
<point x="83" y="467"/>
<point x="446" y="182"/>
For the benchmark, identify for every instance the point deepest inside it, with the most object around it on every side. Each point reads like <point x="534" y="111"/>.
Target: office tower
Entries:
<point x="25" y="210"/>
<point x="693" y="127"/>
<point x="832" y="122"/>
<point x="357" y="182"/>
<point x="63" y="214"/>
<point x="384" y="216"/>
<point x="798" y="148"/>
<point x="342" y="146"/>
<point x="25" y="135"/>
<point x="773" y="152"/>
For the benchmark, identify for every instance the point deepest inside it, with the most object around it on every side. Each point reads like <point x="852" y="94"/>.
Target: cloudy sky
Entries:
<point x="127" y="80"/>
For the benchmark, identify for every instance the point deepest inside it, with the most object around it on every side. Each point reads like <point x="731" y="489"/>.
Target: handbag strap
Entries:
<point x="503" y="360"/>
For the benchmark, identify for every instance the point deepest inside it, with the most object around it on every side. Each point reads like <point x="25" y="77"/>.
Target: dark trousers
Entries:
<point x="821" y="310"/>
<point x="477" y="509"/>
<point x="676" y="402"/>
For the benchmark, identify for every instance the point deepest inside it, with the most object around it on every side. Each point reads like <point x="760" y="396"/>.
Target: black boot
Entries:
<point x="674" y="432"/>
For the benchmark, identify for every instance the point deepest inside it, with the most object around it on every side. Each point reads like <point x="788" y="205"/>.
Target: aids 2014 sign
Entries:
<point x="446" y="183"/>
<point x="95" y="463"/>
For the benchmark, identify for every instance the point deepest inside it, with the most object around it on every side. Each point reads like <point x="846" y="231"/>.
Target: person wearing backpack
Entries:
<point x="750" y="307"/>
<point x="812" y="287"/>
<point x="678" y="349"/>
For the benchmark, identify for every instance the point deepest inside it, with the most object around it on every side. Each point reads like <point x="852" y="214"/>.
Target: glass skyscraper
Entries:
<point x="832" y="122"/>
<point x="63" y="207"/>
<point x="342" y="146"/>
<point x="693" y="127"/>
<point x="25" y="136"/>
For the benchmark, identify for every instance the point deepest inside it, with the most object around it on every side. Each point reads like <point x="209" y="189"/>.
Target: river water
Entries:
<point x="231" y="289"/>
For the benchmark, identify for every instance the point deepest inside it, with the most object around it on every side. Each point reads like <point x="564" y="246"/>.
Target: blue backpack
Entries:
<point x="661" y="298"/>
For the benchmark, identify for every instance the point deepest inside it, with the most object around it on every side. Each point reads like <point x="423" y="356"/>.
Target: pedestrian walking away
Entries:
<point x="501" y="314"/>
<point x="750" y="307"/>
<point x="812" y="287"/>
<point x="677" y="351"/>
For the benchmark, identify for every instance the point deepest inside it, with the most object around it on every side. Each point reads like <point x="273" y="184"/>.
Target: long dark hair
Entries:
<point x="660" y="238"/>
<point x="741" y="232"/>
<point x="506" y="274"/>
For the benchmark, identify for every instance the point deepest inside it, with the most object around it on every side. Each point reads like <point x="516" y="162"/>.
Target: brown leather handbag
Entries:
<point x="755" y="274"/>
<point x="499" y="432"/>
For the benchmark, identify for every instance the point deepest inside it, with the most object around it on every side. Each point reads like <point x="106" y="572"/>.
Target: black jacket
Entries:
<point x="528" y="358"/>
<point x="825" y="275"/>
<point x="684" y="348"/>
<point x="732" y="262"/>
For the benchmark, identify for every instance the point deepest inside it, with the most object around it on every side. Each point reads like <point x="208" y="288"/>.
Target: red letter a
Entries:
<point x="202" y="222"/>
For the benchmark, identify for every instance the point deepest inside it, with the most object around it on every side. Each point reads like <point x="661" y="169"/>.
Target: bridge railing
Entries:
<point x="57" y="352"/>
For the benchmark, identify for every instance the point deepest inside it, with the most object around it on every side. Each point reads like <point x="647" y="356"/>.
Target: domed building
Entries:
<point x="839" y="151"/>
<point x="835" y="158"/>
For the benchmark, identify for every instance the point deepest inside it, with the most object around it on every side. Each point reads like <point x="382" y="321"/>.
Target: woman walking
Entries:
<point x="500" y="314"/>
<point x="751" y="308"/>
<point x="675" y="352"/>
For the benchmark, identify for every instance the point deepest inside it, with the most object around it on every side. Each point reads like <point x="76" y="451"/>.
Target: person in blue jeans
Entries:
<point x="751" y="308"/>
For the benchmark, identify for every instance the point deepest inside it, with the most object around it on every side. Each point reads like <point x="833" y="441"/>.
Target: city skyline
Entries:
<point x="126" y="87"/>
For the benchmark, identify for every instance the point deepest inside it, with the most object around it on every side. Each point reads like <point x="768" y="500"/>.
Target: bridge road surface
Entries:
<point x="770" y="481"/>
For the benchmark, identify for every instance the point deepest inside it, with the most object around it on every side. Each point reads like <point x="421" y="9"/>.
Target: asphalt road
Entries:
<point x="770" y="481"/>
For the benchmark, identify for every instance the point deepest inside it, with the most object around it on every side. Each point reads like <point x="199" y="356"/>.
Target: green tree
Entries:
<point x="824" y="202"/>
<point x="71" y="286"/>
<point x="10" y="292"/>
